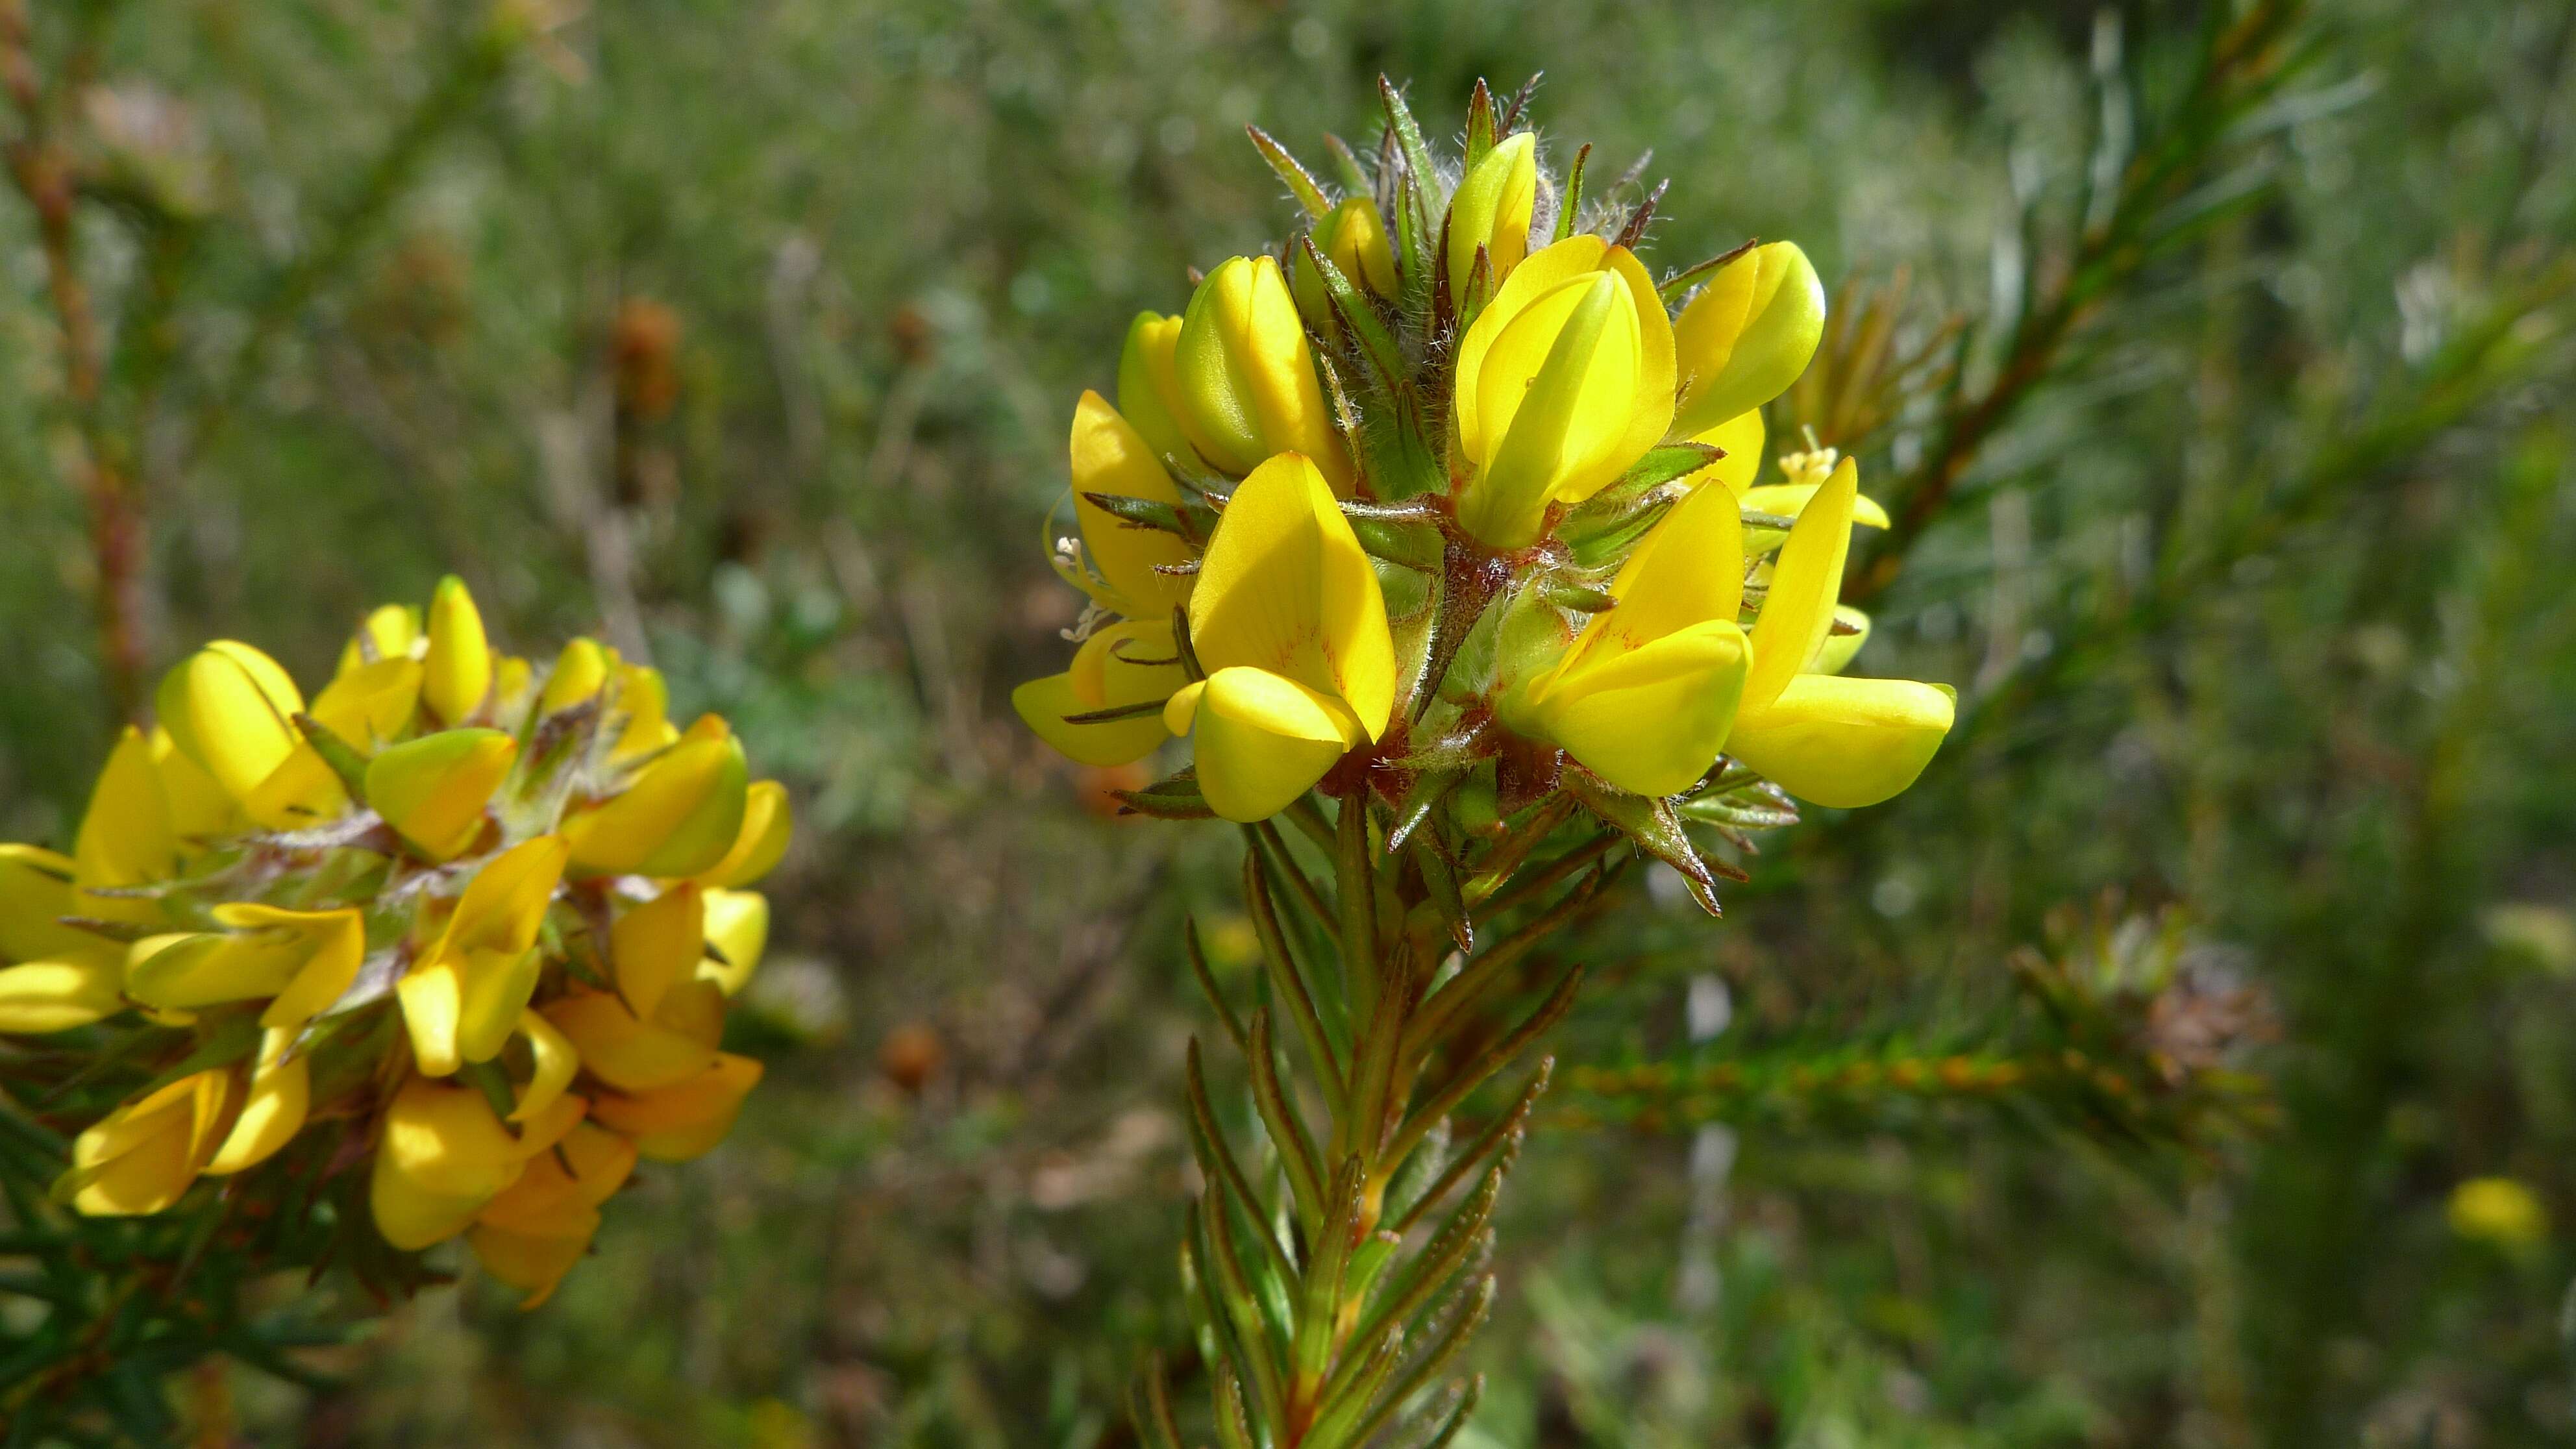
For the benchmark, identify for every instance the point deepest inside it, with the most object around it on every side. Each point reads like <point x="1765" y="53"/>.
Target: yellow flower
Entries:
<point x="662" y="1023"/>
<point x="1645" y="695"/>
<point x="1491" y="209"/>
<point x="142" y="1156"/>
<point x="685" y="1120"/>
<point x="390" y="631"/>
<point x="299" y="961"/>
<point x="432" y="790"/>
<point x="463" y="998"/>
<point x="231" y="709"/>
<point x="1564" y="380"/>
<point x="2498" y="1211"/>
<point x="126" y="837"/>
<point x="679" y="815"/>
<point x="53" y="977"/>
<point x="456" y="673"/>
<point x="442" y="1156"/>
<point x="580" y="672"/>
<point x="1247" y="378"/>
<point x="1748" y="334"/>
<point x="1828" y="740"/>
<point x="1149" y="392"/>
<point x="1132" y="662"/>
<point x="537" y="1228"/>
<point x="1289" y="624"/>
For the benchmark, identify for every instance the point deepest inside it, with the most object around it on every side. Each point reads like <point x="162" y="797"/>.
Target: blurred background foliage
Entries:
<point x="2113" y="1087"/>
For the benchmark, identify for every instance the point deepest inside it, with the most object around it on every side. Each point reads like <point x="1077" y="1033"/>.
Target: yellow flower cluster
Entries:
<point x="488" y="911"/>
<point x="1471" y="479"/>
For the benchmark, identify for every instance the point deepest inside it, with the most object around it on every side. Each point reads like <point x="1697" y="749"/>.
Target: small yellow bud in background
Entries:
<point x="433" y="789"/>
<point x="231" y="709"/>
<point x="679" y="816"/>
<point x="390" y="631"/>
<point x="457" y="671"/>
<point x="1247" y="378"/>
<point x="1564" y="380"/>
<point x="1353" y="238"/>
<point x="645" y="701"/>
<point x="580" y="671"/>
<point x="2498" y="1211"/>
<point x="1748" y="334"/>
<point x="1491" y="209"/>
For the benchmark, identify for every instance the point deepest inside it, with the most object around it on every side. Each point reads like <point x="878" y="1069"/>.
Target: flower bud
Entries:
<point x="432" y="790"/>
<point x="1564" y="380"/>
<point x="457" y="671"/>
<point x="1491" y="209"/>
<point x="1149" y="390"/>
<point x="231" y="709"/>
<point x="390" y="631"/>
<point x="1353" y="238"/>
<point x="443" y="1156"/>
<point x="679" y="816"/>
<point x="676" y="1123"/>
<point x="644" y="702"/>
<point x="1748" y="334"/>
<point x="580" y="671"/>
<point x="1247" y="377"/>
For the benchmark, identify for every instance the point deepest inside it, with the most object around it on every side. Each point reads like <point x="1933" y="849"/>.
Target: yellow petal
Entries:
<point x="1688" y="570"/>
<point x="640" y="712"/>
<point x="1286" y="588"/>
<point x="1834" y="655"/>
<point x="280" y="1092"/>
<point x="639" y="1054"/>
<point x="35" y="894"/>
<point x="505" y="903"/>
<point x="494" y="988"/>
<point x="230" y="708"/>
<point x="47" y="996"/>
<point x="456" y="674"/>
<point x="677" y="817"/>
<point x="766" y="825"/>
<point x="125" y="838"/>
<point x="1844" y="743"/>
<point x="333" y="944"/>
<point x="554" y="1062"/>
<point x="199" y="810"/>
<point x="657" y="945"/>
<point x="1741" y="437"/>
<point x="533" y="1263"/>
<point x="433" y="789"/>
<point x="1788" y="500"/>
<point x="1260" y="740"/>
<point x="1246" y="376"/>
<point x="1749" y="333"/>
<point x="141" y="1157"/>
<point x="1149" y="394"/>
<point x="676" y="1123"/>
<point x="1804" y="580"/>
<point x="1130" y="662"/>
<point x="1491" y="209"/>
<point x="372" y="703"/>
<point x="208" y="968"/>
<point x="1110" y="457"/>
<point x="548" y="1197"/>
<point x="432" y="995"/>
<point x="1652" y="720"/>
<point x="1356" y="241"/>
<point x="440" y="1157"/>
<point x="738" y="930"/>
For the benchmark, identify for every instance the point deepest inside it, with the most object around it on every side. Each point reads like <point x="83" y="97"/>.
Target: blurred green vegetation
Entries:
<point x="746" y="334"/>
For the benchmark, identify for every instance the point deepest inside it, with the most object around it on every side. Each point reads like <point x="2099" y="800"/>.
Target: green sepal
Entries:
<point x="1300" y="182"/>
<point x="1174" y="797"/>
<point x="1657" y="830"/>
<point x="339" y="754"/>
